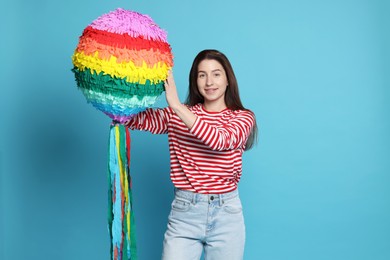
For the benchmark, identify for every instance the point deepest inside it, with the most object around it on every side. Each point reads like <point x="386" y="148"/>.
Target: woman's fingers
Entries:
<point x="169" y="80"/>
<point x="170" y="90"/>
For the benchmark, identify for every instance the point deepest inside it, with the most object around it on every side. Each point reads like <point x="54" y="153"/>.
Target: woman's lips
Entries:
<point x="210" y="90"/>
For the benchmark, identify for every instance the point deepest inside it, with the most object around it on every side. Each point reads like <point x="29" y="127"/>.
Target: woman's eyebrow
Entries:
<point x="201" y="71"/>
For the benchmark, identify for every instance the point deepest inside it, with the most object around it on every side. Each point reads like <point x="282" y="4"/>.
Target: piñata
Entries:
<point x="120" y="65"/>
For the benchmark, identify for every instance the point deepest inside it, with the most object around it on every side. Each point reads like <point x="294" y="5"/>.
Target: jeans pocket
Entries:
<point x="181" y="205"/>
<point x="233" y="206"/>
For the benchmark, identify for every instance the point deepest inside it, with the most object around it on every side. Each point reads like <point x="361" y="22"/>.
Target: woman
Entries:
<point x="207" y="136"/>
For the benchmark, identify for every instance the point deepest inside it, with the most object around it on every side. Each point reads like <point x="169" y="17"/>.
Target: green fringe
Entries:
<point x="118" y="87"/>
<point x="110" y="215"/>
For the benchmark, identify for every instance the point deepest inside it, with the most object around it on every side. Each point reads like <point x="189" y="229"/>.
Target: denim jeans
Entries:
<point x="209" y="223"/>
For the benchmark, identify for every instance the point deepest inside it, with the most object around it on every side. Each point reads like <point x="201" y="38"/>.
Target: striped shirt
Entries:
<point x="208" y="157"/>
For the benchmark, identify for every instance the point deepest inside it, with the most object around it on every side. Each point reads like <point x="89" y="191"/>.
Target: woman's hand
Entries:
<point x="171" y="92"/>
<point x="173" y="101"/>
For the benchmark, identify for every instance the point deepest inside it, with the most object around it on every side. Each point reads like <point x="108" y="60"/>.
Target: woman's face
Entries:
<point x="212" y="82"/>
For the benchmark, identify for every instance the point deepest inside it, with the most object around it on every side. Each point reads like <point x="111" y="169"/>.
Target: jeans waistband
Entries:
<point x="198" y="197"/>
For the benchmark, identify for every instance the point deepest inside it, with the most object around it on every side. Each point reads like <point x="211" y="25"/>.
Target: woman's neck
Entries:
<point x="214" y="107"/>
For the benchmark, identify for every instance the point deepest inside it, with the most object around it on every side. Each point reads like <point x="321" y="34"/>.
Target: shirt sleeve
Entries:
<point x="152" y="120"/>
<point x="232" y="135"/>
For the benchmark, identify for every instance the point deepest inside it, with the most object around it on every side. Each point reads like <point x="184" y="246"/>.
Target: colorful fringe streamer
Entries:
<point x="120" y="65"/>
<point x="120" y="214"/>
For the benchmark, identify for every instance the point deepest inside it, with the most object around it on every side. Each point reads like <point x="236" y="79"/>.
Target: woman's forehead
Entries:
<point x="209" y="65"/>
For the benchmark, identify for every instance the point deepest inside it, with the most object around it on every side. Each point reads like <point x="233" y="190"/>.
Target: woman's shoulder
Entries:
<point x="244" y="114"/>
<point x="195" y="108"/>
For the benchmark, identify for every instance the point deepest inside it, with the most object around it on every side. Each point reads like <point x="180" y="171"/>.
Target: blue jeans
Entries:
<point x="209" y="223"/>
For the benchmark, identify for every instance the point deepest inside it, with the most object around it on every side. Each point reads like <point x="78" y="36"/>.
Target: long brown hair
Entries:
<point x="232" y="95"/>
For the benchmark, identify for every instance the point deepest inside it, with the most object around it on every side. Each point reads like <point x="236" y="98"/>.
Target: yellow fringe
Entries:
<point x="124" y="180"/>
<point x="128" y="70"/>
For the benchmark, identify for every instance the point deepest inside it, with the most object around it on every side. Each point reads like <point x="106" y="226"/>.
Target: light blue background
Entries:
<point x="316" y="73"/>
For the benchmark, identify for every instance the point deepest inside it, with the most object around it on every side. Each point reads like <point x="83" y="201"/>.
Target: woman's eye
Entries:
<point x="201" y="75"/>
<point x="217" y="74"/>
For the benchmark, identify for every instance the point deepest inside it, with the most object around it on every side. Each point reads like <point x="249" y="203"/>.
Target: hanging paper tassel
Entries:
<point x="120" y="215"/>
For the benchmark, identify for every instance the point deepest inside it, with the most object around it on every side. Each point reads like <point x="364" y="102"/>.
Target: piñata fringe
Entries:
<point x="120" y="215"/>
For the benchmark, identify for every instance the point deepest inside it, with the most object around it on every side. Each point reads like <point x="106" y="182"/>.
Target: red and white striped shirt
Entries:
<point x="208" y="157"/>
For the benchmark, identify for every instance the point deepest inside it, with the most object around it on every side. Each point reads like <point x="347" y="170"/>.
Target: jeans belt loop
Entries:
<point x="194" y="198"/>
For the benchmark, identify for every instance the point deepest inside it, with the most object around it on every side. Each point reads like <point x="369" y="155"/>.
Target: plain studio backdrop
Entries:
<point x="316" y="74"/>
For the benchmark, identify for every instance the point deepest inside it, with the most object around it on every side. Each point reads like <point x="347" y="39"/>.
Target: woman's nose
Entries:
<point x="209" y="81"/>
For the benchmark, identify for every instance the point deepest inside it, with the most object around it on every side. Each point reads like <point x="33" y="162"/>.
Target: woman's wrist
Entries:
<point x="184" y="114"/>
<point x="177" y="106"/>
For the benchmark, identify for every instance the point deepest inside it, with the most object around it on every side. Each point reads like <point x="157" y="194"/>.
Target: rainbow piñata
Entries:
<point x="120" y="65"/>
<point x="121" y="62"/>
